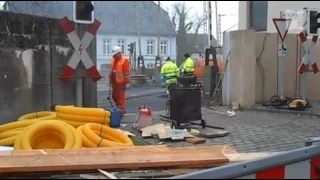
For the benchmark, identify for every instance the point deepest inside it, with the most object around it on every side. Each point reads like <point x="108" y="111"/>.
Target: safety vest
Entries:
<point x="170" y="71"/>
<point x="188" y="67"/>
<point x="122" y="70"/>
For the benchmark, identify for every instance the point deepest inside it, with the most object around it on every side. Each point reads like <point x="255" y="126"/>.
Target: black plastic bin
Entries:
<point x="185" y="104"/>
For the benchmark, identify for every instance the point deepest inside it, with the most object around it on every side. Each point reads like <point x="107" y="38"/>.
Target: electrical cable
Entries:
<point x="109" y="96"/>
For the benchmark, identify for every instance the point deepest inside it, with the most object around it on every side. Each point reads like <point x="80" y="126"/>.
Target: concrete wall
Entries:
<point x="243" y="15"/>
<point x="106" y="58"/>
<point x="249" y="51"/>
<point x="28" y="71"/>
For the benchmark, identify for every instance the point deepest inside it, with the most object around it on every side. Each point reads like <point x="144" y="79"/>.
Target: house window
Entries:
<point x="163" y="48"/>
<point x="150" y="47"/>
<point x="122" y="44"/>
<point x="258" y="15"/>
<point x="106" y="46"/>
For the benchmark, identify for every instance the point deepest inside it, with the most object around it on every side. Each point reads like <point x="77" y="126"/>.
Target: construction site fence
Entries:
<point x="300" y="163"/>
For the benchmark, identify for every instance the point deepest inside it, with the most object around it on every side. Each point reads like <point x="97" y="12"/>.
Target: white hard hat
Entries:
<point x="116" y="50"/>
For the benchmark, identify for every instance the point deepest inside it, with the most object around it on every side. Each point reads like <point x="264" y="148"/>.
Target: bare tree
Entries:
<point x="185" y="22"/>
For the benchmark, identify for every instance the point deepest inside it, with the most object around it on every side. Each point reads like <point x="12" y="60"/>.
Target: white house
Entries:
<point x="118" y="26"/>
<point x="257" y="15"/>
<point x="110" y="36"/>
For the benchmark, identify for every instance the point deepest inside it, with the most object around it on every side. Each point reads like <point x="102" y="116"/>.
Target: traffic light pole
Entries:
<point x="79" y="85"/>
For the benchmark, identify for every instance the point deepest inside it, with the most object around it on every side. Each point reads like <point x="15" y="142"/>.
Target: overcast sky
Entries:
<point x="224" y="7"/>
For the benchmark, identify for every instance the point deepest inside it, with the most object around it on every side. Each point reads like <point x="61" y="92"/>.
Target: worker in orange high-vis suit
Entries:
<point x="119" y="77"/>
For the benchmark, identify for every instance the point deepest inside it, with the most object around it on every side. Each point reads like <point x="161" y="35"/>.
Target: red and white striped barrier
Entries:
<point x="308" y="58"/>
<point x="301" y="163"/>
<point x="80" y="46"/>
<point x="300" y="170"/>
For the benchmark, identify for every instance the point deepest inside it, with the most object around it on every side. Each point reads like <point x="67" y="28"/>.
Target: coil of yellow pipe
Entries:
<point x="10" y="131"/>
<point x="82" y="118"/>
<point x="17" y="124"/>
<point x="49" y="134"/>
<point x="91" y="132"/>
<point x="38" y="115"/>
<point x="76" y="124"/>
<point x="81" y="111"/>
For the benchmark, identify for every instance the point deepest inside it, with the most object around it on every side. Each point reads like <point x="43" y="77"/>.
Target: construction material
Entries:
<point x="10" y="131"/>
<point x="38" y="115"/>
<point x="113" y="158"/>
<point x="161" y="131"/>
<point x="195" y="140"/>
<point x="108" y="175"/>
<point x="55" y="134"/>
<point x="50" y="134"/>
<point x="286" y="103"/>
<point x="237" y="157"/>
<point x="84" y="115"/>
<point x="97" y="135"/>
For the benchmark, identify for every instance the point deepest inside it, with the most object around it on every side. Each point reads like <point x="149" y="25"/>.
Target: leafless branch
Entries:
<point x="185" y="22"/>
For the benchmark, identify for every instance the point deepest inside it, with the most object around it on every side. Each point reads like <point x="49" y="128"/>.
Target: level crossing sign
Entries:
<point x="80" y="46"/>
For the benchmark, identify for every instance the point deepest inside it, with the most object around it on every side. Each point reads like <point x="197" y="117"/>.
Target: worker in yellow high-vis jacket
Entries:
<point x="170" y="72"/>
<point x="187" y="70"/>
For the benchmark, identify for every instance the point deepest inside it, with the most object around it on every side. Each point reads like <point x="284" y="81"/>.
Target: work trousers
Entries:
<point x="119" y="96"/>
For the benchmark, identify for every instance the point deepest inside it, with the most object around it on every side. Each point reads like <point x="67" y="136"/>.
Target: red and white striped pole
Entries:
<point x="80" y="46"/>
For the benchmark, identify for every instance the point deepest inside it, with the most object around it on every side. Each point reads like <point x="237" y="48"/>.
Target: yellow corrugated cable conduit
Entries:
<point x="10" y="131"/>
<point x="78" y="116"/>
<point x="43" y="115"/>
<point x="97" y="135"/>
<point x="50" y="134"/>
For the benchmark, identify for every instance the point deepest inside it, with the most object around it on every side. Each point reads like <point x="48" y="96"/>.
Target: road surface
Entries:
<point x="149" y="96"/>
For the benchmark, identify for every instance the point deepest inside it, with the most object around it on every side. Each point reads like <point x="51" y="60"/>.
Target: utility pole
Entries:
<point x="158" y="18"/>
<point x="217" y="21"/>
<point x="157" y="63"/>
<point x="140" y="57"/>
<point x="205" y="15"/>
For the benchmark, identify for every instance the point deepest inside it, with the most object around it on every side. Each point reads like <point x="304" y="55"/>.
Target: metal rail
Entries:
<point x="242" y="169"/>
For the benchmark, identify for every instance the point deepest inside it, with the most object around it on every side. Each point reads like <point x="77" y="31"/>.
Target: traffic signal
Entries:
<point x="83" y="12"/>
<point x="130" y="48"/>
<point x="312" y="22"/>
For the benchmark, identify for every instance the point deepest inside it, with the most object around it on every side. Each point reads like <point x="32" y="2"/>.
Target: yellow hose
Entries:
<point x="81" y="111"/>
<point x="77" y="124"/>
<point x="38" y="115"/>
<point x="82" y="118"/>
<point x="47" y="135"/>
<point x="69" y="127"/>
<point x="18" y="124"/>
<point x="97" y="135"/>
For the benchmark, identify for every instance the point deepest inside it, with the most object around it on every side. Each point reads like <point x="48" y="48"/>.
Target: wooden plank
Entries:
<point x="236" y="157"/>
<point x="174" y="157"/>
<point x="85" y="150"/>
<point x="224" y="149"/>
<point x="195" y="140"/>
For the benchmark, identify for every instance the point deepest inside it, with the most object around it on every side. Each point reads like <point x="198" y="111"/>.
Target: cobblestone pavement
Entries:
<point x="254" y="131"/>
